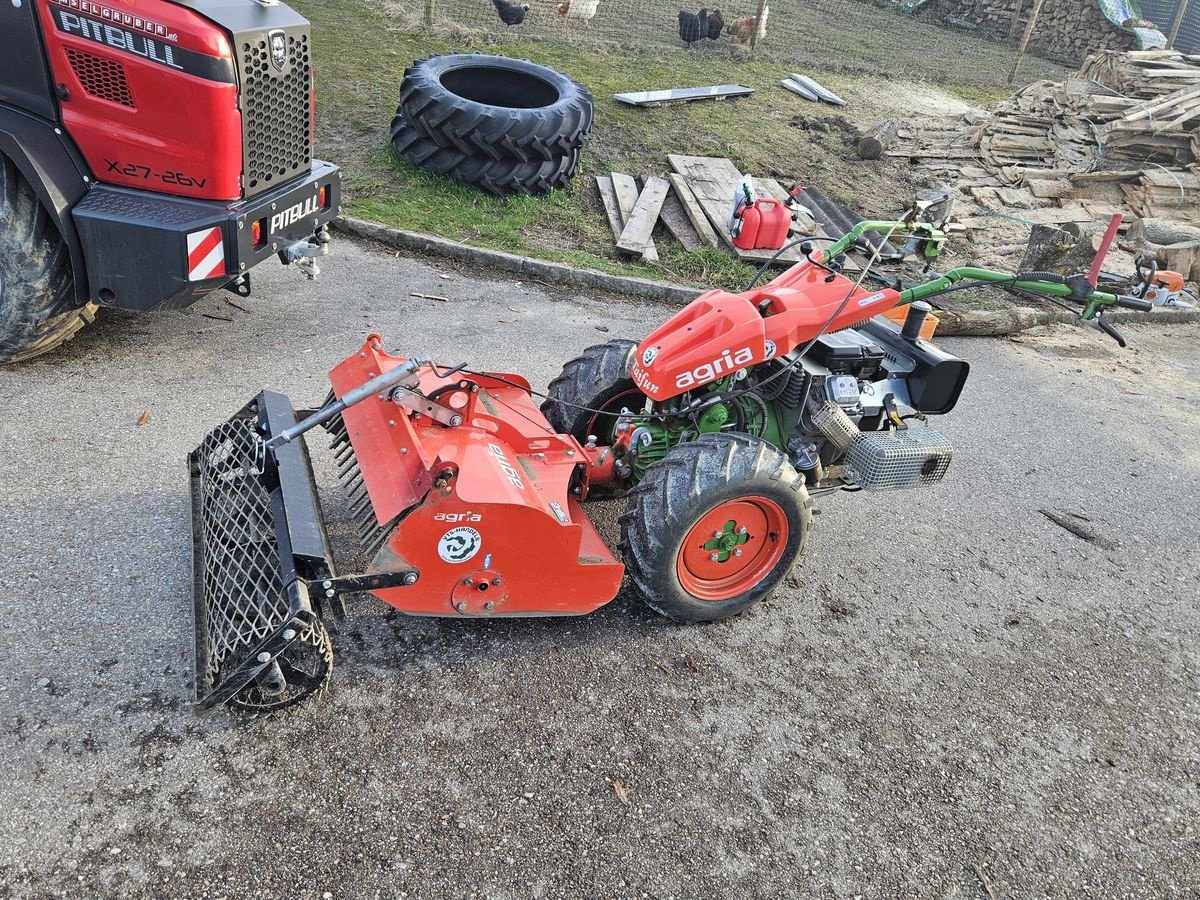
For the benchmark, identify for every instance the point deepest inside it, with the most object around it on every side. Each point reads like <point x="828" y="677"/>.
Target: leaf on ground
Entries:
<point x="619" y="790"/>
<point x="691" y="664"/>
<point x="602" y="328"/>
<point x="144" y="418"/>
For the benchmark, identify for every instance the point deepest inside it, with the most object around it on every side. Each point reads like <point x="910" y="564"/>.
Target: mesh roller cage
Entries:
<point x="242" y="588"/>
<point x="893" y="460"/>
<point x="258" y="539"/>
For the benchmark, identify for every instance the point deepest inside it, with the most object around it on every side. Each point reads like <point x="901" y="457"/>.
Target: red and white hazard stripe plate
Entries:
<point x="206" y="254"/>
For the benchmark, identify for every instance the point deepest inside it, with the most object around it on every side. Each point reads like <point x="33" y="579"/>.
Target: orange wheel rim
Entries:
<point x="732" y="547"/>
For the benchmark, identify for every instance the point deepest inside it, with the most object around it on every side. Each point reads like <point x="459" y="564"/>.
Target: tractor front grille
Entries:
<point x="276" y="109"/>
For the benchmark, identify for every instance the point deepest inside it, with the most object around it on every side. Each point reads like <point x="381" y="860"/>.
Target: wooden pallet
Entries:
<point x="712" y="181"/>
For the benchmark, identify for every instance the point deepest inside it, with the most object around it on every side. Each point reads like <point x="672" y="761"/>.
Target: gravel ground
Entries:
<point x="953" y="697"/>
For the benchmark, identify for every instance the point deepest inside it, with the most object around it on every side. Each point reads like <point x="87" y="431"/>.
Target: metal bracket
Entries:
<point x="353" y="584"/>
<point x="407" y="398"/>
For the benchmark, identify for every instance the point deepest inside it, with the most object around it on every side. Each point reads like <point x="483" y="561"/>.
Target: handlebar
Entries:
<point x="1135" y="303"/>
<point x="1051" y="284"/>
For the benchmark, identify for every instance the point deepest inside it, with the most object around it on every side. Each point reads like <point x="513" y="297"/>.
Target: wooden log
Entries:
<point x="876" y="139"/>
<point x="1160" y="231"/>
<point x="1066" y="249"/>
<point x="635" y="237"/>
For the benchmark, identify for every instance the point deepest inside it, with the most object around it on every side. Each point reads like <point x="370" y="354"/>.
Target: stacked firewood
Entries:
<point x="1065" y="29"/>
<point x="1126" y="118"/>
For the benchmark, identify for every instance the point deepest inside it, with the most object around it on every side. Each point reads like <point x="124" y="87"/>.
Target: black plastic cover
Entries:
<point x="934" y="377"/>
<point x="847" y="352"/>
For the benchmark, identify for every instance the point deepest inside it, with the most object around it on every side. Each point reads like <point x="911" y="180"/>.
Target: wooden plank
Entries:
<point x="691" y="208"/>
<point x="627" y="193"/>
<point x="713" y="181"/>
<point x="644" y="216"/>
<point x="676" y="219"/>
<point x="611" y="208"/>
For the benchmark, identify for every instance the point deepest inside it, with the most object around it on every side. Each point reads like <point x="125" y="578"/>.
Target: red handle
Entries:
<point x="1093" y="275"/>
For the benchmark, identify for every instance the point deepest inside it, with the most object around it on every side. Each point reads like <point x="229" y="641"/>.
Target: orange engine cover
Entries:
<point x="719" y="333"/>
<point x="487" y="511"/>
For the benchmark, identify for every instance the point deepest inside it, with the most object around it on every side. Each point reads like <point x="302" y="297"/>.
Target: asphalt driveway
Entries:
<point x="953" y="697"/>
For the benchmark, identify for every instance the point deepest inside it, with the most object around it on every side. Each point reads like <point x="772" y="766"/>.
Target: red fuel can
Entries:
<point x="764" y="226"/>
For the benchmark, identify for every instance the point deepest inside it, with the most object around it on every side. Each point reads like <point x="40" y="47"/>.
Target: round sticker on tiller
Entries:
<point x="459" y="544"/>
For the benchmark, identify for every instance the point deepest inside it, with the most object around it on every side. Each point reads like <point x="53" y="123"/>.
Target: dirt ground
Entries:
<point x="953" y="697"/>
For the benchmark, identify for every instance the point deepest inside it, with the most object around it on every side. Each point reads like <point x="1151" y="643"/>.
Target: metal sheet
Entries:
<point x="683" y="95"/>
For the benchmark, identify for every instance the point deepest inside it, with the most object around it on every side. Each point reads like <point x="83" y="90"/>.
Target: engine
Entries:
<point x="862" y="389"/>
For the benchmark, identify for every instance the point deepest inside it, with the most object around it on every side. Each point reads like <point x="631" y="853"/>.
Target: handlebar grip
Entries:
<point x="1052" y="277"/>
<point x="1135" y="303"/>
<point x="1107" y="327"/>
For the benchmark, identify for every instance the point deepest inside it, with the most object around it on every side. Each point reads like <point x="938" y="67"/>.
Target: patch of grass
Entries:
<point x="362" y="47"/>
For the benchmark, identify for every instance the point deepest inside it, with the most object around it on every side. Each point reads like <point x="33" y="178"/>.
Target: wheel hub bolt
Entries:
<point x="264" y="657"/>
<point x="715" y="557"/>
<point x="718" y="534"/>
<point x="460" y="606"/>
<point x="737" y="552"/>
<point x="742" y="530"/>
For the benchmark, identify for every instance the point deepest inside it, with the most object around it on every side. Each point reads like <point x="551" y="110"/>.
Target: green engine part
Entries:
<point x="772" y="427"/>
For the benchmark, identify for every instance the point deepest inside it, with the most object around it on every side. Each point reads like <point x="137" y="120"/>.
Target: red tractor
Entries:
<point x="719" y="427"/>
<point x="151" y="153"/>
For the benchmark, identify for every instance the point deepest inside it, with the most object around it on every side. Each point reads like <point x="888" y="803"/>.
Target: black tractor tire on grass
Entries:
<point x="38" y="307"/>
<point x="711" y="478"/>
<point x="597" y="379"/>
<point x="499" y="177"/>
<point x="497" y="108"/>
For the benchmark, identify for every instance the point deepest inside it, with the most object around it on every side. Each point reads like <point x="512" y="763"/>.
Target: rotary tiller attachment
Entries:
<point x="262" y="569"/>
<point x="468" y="505"/>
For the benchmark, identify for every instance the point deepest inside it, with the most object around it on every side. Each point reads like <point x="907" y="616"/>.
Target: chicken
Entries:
<point x="584" y="10"/>
<point x="692" y="26"/>
<point x="511" y="13"/>
<point x="715" y="23"/>
<point x="741" y="30"/>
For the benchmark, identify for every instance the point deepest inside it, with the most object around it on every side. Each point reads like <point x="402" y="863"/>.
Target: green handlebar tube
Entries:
<point x="1095" y="302"/>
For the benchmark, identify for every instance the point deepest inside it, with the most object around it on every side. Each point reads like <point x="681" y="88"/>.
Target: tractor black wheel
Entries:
<point x="304" y="668"/>
<point x="714" y="526"/>
<point x="496" y="107"/>
<point x="38" y="307"/>
<point x="499" y="177"/>
<point x="597" y="379"/>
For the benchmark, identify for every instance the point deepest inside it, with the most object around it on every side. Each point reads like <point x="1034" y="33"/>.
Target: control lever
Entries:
<point x="1108" y="328"/>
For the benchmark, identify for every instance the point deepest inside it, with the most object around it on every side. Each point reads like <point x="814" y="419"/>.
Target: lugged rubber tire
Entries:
<point x="696" y="479"/>
<point x="497" y="108"/>
<point x="38" y="307"/>
<point x="498" y="177"/>
<point x="596" y="378"/>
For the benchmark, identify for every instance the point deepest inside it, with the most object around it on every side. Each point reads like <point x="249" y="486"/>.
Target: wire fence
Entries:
<point x="967" y="41"/>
